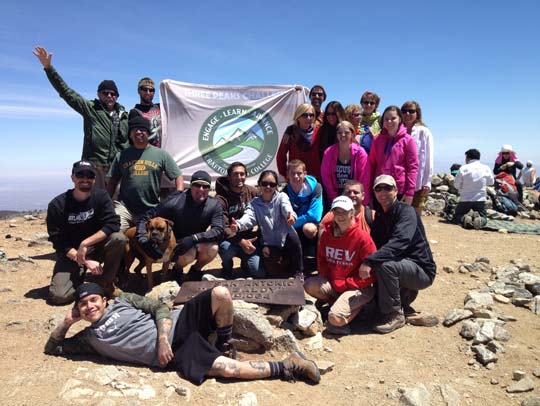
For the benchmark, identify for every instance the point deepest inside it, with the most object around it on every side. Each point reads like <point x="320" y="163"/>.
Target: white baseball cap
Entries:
<point x="343" y="202"/>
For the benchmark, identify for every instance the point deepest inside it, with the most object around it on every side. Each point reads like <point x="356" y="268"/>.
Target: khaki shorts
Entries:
<point x="346" y="303"/>
<point x="419" y="200"/>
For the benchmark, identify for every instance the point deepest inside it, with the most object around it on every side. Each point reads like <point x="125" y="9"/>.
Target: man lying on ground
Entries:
<point x="140" y="330"/>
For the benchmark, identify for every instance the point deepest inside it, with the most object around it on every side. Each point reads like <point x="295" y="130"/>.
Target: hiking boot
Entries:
<point x="478" y="221"/>
<point x="194" y="275"/>
<point x="422" y="319"/>
<point x="408" y="310"/>
<point x="467" y="221"/>
<point x="111" y="291"/>
<point x="297" y="367"/>
<point x="228" y="349"/>
<point x="344" y="330"/>
<point x="391" y="322"/>
<point x="226" y="273"/>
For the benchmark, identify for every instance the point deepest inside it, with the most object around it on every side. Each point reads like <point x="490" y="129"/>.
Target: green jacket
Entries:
<point x="373" y="122"/>
<point x="100" y="144"/>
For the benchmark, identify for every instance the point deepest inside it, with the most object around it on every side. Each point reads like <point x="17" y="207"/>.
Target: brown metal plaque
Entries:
<point x="275" y="291"/>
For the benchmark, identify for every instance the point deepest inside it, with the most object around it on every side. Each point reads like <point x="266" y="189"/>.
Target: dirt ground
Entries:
<point x="369" y="368"/>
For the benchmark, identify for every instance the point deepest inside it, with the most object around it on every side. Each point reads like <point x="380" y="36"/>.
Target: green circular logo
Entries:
<point x="238" y="133"/>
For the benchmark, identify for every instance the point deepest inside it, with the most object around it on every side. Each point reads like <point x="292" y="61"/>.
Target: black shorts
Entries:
<point x="193" y="354"/>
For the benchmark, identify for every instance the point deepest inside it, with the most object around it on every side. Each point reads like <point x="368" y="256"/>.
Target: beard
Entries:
<point x="85" y="188"/>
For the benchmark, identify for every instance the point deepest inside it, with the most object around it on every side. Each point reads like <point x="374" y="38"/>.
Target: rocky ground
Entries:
<point x="487" y="279"/>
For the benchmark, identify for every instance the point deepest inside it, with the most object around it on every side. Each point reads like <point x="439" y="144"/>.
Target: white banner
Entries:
<point x="209" y="127"/>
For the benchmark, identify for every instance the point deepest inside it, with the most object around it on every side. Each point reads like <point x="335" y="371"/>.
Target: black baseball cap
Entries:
<point x="81" y="166"/>
<point x="87" y="289"/>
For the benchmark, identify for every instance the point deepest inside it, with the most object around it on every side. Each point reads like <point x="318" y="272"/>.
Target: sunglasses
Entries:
<point x="386" y="188"/>
<point x="200" y="185"/>
<point x="139" y="129"/>
<point x="268" y="184"/>
<point x="408" y="111"/>
<point x="147" y="89"/>
<point x="307" y="115"/>
<point x="356" y="114"/>
<point x="369" y="103"/>
<point x="319" y="94"/>
<point x="108" y="93"/>
<point x="85" y="175"/>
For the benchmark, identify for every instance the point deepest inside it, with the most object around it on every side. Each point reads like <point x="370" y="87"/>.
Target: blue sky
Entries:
<point x="473" y="66"/>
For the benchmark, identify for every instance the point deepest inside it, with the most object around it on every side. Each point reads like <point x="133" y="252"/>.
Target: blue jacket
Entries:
<point x="309" y="207"/>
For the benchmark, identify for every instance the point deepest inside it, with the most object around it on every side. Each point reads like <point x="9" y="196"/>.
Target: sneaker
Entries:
<point x="344" y="330"/>
<point x="297" y="367"/>
<point x="391" y="322"/>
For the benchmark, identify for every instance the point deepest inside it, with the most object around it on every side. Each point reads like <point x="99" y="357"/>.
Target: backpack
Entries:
<point x="505" y="205"/>
<point x="368" y="214"/>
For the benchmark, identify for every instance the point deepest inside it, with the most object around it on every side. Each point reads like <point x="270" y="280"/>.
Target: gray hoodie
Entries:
<point x="271" y="217"/>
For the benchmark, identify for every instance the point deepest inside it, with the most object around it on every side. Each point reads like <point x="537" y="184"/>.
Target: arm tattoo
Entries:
<point x="164" y="327"/>
<point x="60" y="331"/>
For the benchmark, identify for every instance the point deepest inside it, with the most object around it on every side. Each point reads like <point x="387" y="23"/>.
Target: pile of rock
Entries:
<point x="258" y="328"/>
<point x="482" y="324"/>
<point x="443" y="194"/>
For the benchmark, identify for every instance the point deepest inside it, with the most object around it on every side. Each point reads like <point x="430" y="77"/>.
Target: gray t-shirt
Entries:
<point x="126" y="333"/>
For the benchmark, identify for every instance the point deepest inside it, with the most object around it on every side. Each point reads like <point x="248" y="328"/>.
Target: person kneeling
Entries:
<point x="403" y="262"/>
<point x="343" y="246"/>
<point x="147" y="333"/>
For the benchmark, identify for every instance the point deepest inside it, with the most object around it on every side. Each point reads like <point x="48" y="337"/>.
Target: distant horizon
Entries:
<point x="26" y="192"/>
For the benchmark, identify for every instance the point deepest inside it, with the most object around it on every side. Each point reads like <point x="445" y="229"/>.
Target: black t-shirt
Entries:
<point x="70" y="221"/>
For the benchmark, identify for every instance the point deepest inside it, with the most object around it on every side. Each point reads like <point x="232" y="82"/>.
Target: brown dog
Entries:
<point x="160" y="231"/>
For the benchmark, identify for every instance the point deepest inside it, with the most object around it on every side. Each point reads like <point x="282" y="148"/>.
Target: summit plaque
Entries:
<point x="273" y="291"/>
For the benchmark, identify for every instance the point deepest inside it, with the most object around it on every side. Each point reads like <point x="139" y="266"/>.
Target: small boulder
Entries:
<point x="469" y="329"/>
<point x="456" y="315"/>
<point x="418" y="396"/>
<point x="483" y="355"/>
<point x="523" y="385"/>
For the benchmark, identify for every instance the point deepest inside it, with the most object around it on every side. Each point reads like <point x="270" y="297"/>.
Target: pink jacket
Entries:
<point x="359" y="170"/>
<point x="400" y="159"/>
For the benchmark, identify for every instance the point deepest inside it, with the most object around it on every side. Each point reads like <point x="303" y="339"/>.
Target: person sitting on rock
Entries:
<point x="403" y="262"/>
<point x="343" y="247"/>
<point x="84" y="230"/>
<point x="273" y="214"/>
<point x="198" y="226"/>
<point x="305" y="194"/>
<point x="234" y="195"/>
<point x="363" y="215"/>
<point x="508" y="161"/>
<point x="143" y="331"/>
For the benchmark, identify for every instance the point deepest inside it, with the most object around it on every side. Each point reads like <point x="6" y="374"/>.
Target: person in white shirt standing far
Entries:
<point x="527" y="176"/>
<point x="471" y="182"/>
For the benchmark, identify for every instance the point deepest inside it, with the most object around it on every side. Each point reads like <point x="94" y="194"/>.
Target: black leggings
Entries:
<point x="291" y="250"/>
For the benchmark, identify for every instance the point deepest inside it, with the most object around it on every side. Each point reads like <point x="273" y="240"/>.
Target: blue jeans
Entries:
<point x="253" y="263"/>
